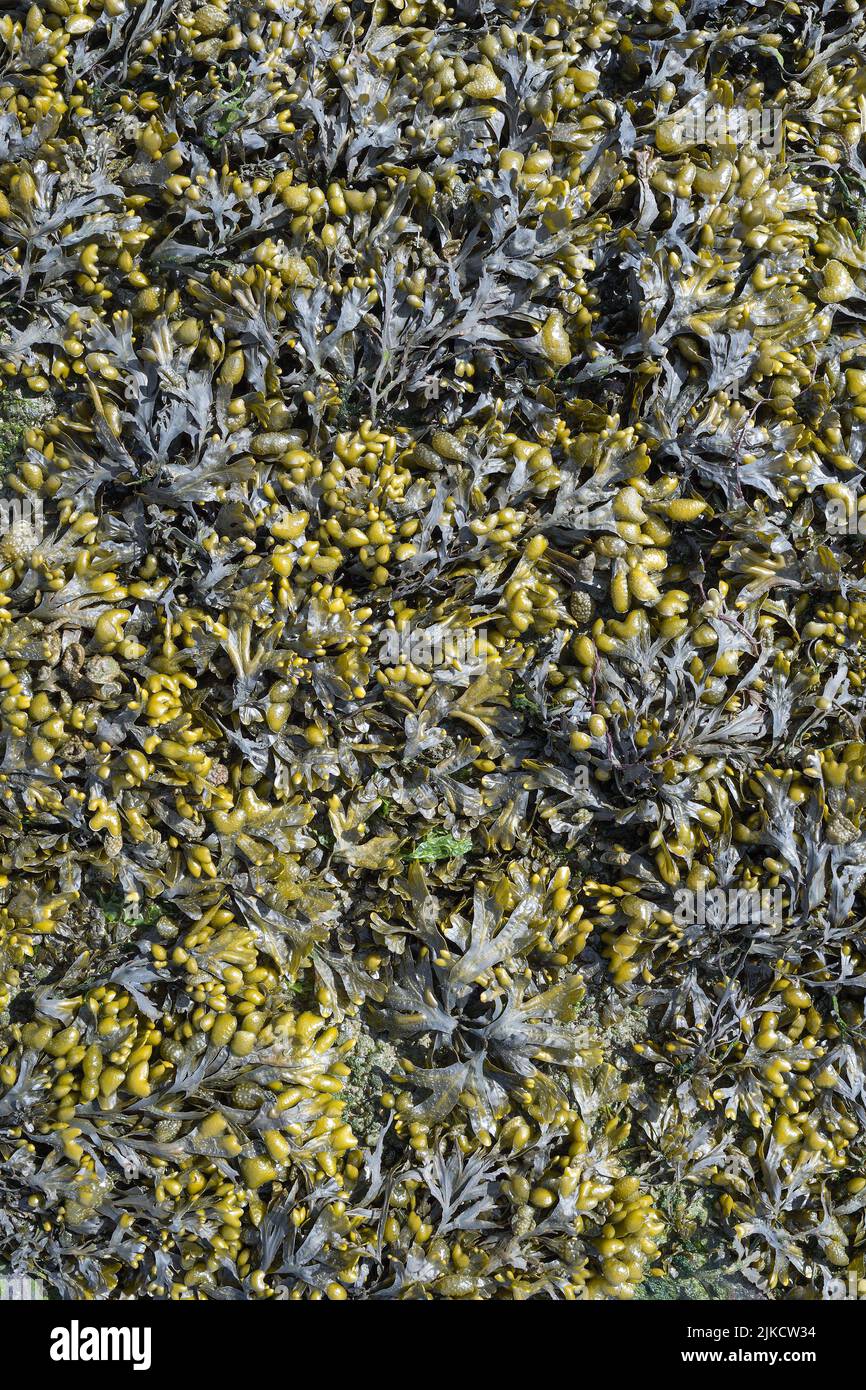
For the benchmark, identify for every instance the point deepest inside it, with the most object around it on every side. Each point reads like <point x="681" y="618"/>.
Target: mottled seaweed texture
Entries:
<point x="432" y="648"/>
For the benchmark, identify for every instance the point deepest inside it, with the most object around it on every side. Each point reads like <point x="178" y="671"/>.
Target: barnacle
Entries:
<point x="432" y="646"/>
